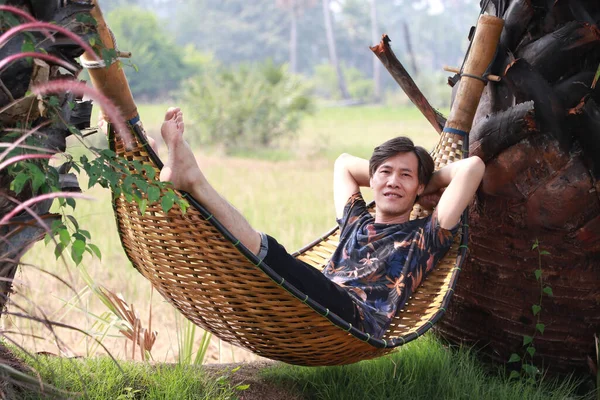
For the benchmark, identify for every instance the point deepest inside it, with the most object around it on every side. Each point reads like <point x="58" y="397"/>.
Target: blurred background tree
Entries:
<point x="193" y="50"/>
<point x="238" y="31"/>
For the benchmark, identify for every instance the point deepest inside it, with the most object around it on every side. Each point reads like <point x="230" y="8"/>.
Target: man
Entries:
<point x="379" y="261"/>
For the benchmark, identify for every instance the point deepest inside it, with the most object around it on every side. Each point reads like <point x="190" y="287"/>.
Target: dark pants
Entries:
<point x="310" y="281"/>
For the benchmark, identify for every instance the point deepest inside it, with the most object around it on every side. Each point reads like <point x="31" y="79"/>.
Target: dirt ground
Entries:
<point x="249" y="374"/>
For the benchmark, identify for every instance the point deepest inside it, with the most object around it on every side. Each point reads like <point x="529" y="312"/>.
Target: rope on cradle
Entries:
<point x="102" y="63"/>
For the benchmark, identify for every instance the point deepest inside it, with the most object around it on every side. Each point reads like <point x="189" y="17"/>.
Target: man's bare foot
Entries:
<point x="181" y="167"/>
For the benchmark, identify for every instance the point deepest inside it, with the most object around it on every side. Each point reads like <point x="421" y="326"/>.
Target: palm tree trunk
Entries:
<point x="376" y="63"/>
<point x="293" y="39"/>
<point x="333" y="58"/>
<point x="409" y="49"/>
<point x="541" y="184"/>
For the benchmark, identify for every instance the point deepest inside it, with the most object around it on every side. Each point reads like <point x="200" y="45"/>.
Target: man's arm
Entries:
<point x="349" y="174"/>
<point x="461" y="180"/>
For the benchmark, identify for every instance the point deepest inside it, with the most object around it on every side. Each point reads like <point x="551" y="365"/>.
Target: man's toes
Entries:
<point x="171" y="112"/>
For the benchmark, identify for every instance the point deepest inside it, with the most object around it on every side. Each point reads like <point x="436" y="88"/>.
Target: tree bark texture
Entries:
<point x="22" y="110"/>
<point x="539" y="132"/>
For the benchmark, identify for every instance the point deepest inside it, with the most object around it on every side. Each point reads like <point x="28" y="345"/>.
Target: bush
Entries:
<point x="248" y="107"/>
<point x="160" y="65"/>
<point x="326" y="83"/>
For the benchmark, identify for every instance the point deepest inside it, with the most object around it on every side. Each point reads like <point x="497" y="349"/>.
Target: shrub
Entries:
<point x="247" y="107"/>
<point x="326" y="83"/>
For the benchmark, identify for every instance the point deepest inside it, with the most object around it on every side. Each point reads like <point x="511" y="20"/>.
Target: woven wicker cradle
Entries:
<point x="200" y="268"/>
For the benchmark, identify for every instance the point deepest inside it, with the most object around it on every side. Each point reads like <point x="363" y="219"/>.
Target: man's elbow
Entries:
<point x="342" y="161"/>
<point x="476" y="167"/>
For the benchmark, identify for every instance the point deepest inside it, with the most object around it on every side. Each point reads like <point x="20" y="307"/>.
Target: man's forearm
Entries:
<point x="442" y="178"/>
<point x="356" y="167"/>
<point x="349" y="174"/>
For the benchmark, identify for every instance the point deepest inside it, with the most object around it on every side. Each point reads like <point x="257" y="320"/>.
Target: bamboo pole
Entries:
<point x="483" y="50"/>
<point x="111" y="80"/>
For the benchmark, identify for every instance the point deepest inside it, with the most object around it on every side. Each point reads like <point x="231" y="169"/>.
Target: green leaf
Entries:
<point x="56" y="225"/>
<point x="538" y="274"/>
<point x="596" y="77"/>
<point x="536" y="309"/>
<point x="141" y="184"/>
<point x="514" y="357"/>
<point x="236" y="369"/>
<point x="58" y="250"/>
<point x="28" y="47"/>
<point x="47" y="239"/>
<point x="150" y="172"/>
<point x="73" y="129"/>
<point x="85" y="19"/>
<point x="531" y="350"/>
<point x="127" y="183"/>
<point x="143" y="203"/>
<point x="514" y="375"/>
<point x="19" y="182"/>
<point x="167" y="202"/>
<point x="38" y="178"/>
<point x="242" y="387"/>
<point x="79" y="236"/>
<point x="77" y="250"/>
<point x="535" y="245"/>
<point x="544" y="253"/>
<point x="530" y="370"/>
<point x="540" y="328"/>
<point x="183" y="204"/>
<point x="73" y="221"/>
<point x="95" y="250"/>
<point x="109" y="55"/>
<point x="53" y="101"/>
<point x="65" y="236"/>
<point x="153" y="194"/>
<point x="527" y="340"/>
<point x="548" y="291"/>
<point x="71" y="202"/>
<point x="85" y="233"/>
<point x="137" y="165"/>
<point x="93" y="178"/>
<point x="108" y="153"/>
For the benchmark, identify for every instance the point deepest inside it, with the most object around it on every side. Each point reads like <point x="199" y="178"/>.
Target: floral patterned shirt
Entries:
<point x="381" y="264"/>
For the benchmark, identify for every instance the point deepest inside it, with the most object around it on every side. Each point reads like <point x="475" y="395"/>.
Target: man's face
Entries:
<point x="395" y="186"/>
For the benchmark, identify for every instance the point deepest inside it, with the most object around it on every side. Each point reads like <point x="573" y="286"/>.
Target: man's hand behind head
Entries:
<point x="430" y="201"/>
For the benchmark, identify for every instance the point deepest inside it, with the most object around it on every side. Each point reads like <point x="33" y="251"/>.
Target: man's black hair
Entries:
<point x="398" y="145"/>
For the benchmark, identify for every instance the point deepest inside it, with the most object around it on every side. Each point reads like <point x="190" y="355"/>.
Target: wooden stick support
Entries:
<point x="483" y="51"/>
<point x="110" y="81"/>
<point x="384" y="52"/>
<point x="493" y="78"/>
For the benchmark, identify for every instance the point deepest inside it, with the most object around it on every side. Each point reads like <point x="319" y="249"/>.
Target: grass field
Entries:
<point x="287" y="194"/>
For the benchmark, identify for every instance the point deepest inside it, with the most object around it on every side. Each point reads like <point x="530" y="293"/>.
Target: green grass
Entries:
<point x="423" y="369"/>
<point x="102" y="378"/>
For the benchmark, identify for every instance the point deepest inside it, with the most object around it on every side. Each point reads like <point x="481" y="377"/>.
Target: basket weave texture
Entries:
<point x="200" y="271"/>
